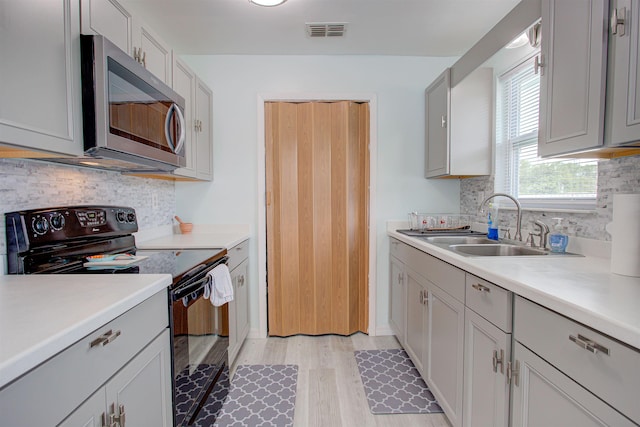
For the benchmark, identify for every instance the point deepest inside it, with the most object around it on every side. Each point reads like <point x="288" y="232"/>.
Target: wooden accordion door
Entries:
<point x="317" y="180"/>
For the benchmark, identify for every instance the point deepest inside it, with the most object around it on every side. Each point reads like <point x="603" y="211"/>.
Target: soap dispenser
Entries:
<point x="557" y="239"/>
<point x="492" y="222"/>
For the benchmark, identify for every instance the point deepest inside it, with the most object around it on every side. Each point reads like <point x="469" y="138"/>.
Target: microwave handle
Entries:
<point x="182" y="125"/>
<point x="174" y="109"/>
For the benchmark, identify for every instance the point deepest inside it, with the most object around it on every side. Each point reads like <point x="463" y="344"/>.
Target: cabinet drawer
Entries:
<point x="397" y="248"/>
<point x="237" y="254"/>
<point x="62" y="383"/>
<point x="614" y="377"/>
<point x="489" y="301"/>
<point x="447" y="277"/>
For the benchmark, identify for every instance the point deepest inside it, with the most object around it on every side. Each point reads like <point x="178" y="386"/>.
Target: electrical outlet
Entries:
<point x="154" y="200"/>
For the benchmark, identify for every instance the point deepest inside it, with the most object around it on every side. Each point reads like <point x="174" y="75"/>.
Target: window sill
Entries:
<point x="559" y="210"/>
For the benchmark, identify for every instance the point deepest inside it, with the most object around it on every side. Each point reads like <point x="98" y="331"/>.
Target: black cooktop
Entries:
<point x="175" y="262"/>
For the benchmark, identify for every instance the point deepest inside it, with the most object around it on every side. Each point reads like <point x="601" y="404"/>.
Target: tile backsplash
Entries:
<point x="30" y="184"/>
<point x="621" y="175"/>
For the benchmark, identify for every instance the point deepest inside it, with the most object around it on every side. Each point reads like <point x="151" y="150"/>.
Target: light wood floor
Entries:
<point x="330" y="392"/>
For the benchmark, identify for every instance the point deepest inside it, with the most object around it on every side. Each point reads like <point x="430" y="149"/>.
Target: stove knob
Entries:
<point x="120" y="216"/>
<point x="131" y="217"/>
<point x="40" y="225"/>
<point x="57" y="221"/>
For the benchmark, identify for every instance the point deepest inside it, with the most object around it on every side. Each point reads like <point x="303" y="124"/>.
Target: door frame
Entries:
<point x="371" y="99"/>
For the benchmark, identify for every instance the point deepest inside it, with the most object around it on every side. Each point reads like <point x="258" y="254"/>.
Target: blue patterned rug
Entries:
<point x="392" y="383"/>
<point x="259" y="395"/>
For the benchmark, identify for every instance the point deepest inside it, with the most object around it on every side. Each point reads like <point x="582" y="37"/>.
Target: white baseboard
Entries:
<point x="381" y="330"/>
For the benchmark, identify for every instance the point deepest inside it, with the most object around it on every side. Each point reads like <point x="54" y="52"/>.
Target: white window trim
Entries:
<point x="546" y="204"/>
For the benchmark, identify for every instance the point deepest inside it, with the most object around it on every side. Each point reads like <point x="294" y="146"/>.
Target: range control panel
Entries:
<point x="46" y="226"/>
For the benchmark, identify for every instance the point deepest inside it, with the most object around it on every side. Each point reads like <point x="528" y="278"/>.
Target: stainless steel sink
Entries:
<point x="460" y="240"/>
<point x="499" y="249"/>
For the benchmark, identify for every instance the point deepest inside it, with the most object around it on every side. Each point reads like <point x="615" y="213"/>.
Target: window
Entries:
<point x="535" y="182"/>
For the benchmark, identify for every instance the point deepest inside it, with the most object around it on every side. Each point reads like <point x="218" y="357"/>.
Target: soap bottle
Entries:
<point x="557" y="239"/>
<point x="492" y="221"/>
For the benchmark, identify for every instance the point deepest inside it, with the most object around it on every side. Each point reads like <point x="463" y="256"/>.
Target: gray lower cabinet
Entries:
<point x="492" y="358"/>
<point x="434" y="322"/>
<point x="417" y="320"/>
<point x="543" y="396"/>
<point x="487" y="350"/>
<point x="397" y="298"/>
<point x="594" y="378"/>
<point x="239" y="307"/>
<point x="446" y="352"/>
<point x="486" y="390"/>
<point x="125" y="362"/>
<point x="140" y="393"/>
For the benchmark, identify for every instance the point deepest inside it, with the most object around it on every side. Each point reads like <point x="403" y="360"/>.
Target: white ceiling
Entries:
<point x="375" y="27"/>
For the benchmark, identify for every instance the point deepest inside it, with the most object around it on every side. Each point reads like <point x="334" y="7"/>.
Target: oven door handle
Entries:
<point x="198" y="284"/>
<point x="188" y="290"/>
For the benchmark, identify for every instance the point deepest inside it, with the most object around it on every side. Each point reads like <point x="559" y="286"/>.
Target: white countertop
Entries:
<point x="41" y="315"/>
<point x="202" y="237"/>
<point x="581" y="288"/>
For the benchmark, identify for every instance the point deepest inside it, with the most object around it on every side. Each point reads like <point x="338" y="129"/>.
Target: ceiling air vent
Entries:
<point x="326" y="29"/>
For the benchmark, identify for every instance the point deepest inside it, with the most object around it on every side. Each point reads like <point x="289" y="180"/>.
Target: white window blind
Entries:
<point x="535" y="182"/>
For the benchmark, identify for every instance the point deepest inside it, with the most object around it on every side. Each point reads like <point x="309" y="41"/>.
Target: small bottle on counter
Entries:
<point x="492" y="221"/>
<point x="557" y="239"/>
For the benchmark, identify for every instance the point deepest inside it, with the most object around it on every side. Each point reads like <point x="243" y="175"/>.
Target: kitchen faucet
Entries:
<point x="544" y="233"/>
<point x="518" y="235"/>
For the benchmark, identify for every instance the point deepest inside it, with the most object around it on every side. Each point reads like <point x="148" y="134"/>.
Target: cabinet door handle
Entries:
<point x="400" y="278"/>
<point x="498" y="361"/>
<point x="538" y="65"/>
<point x="481" y="288"/>
<point x="618" y="21"/>
<point x="119" y="419"/>
<point x="443" y="121"/>
<point x="122" y="416"/>
<point x="589" y="345"/>
<point x="421" y="297"/>
<point x="513" y="373"/>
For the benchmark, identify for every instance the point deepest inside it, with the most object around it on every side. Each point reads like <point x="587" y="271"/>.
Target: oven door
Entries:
<point x="200" y="335"/>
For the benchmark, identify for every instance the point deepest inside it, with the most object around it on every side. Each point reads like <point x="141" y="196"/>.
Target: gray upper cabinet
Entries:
<point x="110" y="19"/>
<point x="40" y="107"/>
<point x="458" y="125"/>
<point x="573" y="74"/>
<point x="623" y="75"/>
<point x="198" y="114"/>
<point x="107" y="18"/>
<point x="149" y="50"/>
<point x="437" y="101"/>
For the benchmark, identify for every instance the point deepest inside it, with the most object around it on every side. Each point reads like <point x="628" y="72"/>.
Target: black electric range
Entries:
<point x="60" y="240"/>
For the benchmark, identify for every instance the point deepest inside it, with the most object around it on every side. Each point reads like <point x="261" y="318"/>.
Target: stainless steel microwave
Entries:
<point x="131" y="120"/>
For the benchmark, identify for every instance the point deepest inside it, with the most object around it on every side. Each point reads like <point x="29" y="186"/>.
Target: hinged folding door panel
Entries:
<point x="317" y="217"/>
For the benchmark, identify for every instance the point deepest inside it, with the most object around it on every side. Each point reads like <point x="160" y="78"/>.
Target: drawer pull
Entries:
<point x="589" y="345"/>
<point x="105" y="338"/>
<point x="480" y="288"/>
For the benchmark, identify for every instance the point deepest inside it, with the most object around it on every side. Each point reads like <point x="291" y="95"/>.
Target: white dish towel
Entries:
<point x="221" y="286"/>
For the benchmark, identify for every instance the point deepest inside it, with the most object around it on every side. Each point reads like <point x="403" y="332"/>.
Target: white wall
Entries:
<point x="397" y="82"/>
